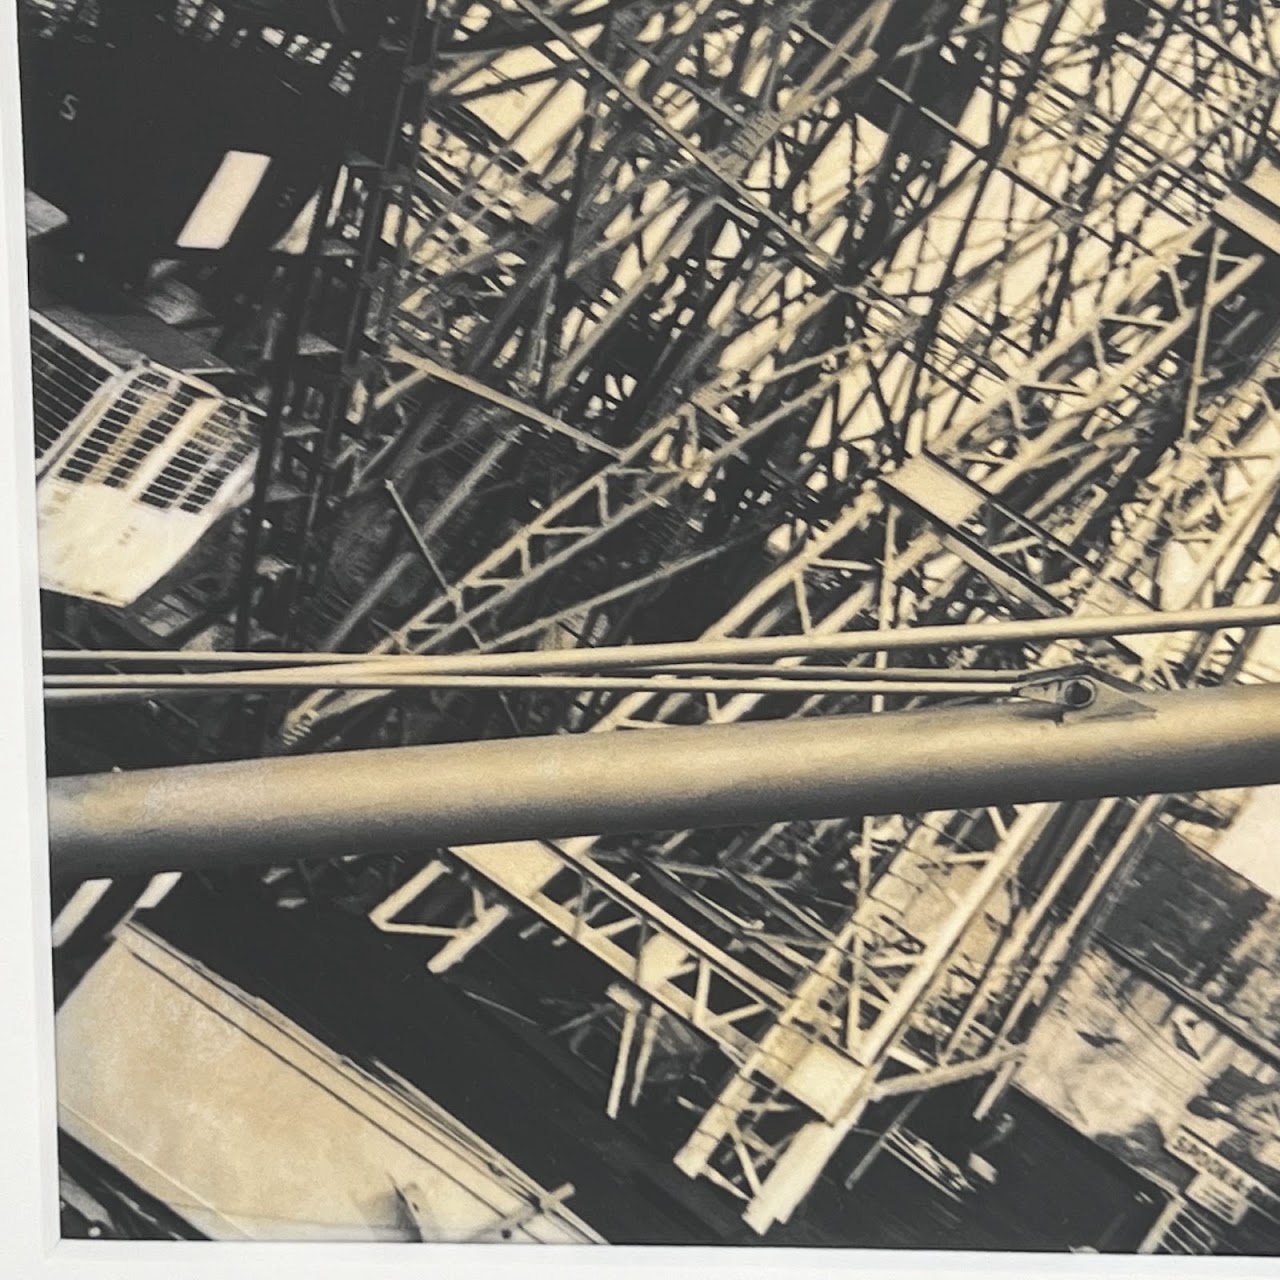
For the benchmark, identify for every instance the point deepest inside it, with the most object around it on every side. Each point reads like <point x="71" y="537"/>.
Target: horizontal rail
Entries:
<point x="273" y="811"/>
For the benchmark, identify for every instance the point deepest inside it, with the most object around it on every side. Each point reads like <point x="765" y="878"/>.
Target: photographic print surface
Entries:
<point x="661" y="619"/>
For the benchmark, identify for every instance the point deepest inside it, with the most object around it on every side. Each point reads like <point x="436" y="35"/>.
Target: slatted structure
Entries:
<point x="665" y="320"/>
<point x="67" y="378"/>
<point x="135" y="465"/>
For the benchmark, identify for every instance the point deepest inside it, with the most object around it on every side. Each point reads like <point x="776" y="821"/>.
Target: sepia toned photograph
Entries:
<point x="660" y="620"/>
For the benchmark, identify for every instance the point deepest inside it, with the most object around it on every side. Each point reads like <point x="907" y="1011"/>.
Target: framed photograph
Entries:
<point x="647" y="623"/>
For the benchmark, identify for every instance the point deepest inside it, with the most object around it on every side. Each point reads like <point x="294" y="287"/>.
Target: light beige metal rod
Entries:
<point x="729" y="649"/>
<point x="68" y="690"/>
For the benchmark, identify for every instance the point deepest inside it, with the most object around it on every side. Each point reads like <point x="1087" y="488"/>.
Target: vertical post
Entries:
<point x="1154" y="1238"/>
<point x="614" y="1104"/>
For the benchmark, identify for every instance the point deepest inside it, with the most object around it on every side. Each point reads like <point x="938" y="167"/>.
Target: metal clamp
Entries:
<point x="1082" y="693"/>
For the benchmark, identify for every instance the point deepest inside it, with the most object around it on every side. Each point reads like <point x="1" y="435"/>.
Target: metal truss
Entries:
<point x="761" y="319"/>
<point x="662" y="485"/>
<point x="1040" y="368"/>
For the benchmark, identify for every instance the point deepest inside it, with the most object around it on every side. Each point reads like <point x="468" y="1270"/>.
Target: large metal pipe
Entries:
<point x="407" y="798"/>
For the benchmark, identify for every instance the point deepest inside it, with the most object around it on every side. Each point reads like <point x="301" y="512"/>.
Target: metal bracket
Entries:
<point x="1082" y="693"/>
<point x="413" y="1214"/>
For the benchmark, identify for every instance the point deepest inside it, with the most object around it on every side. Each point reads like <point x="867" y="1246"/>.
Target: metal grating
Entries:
<point x="149" y="464"/>
<point x="154" y="411"/>
<point x="66" y="376"/>
<point x="195" y="475"/>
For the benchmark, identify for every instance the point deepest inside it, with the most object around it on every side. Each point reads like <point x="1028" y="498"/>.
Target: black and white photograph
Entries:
<point x="658" y="622"/>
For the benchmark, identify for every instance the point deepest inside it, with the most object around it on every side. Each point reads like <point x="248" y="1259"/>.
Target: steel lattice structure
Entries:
<point x="730" y="318"/>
